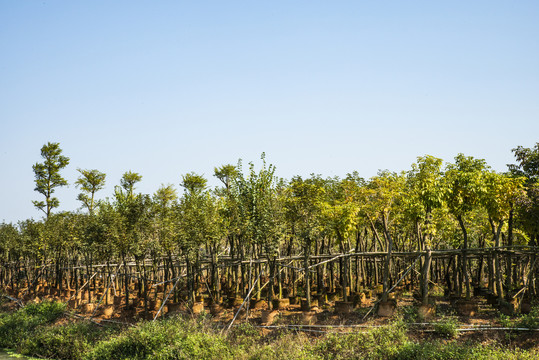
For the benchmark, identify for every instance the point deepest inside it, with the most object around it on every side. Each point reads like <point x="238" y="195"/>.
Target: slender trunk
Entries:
<point x="491" y="285"/>
<point x="480" y="266"/>
<point x="126" y="282"/>
<point x="375" y="262"/>
<point x="307" y="277"/>
<point x="497" y="265"/>
<point x="387" y="265"/>
<point x="425" y="277"/>
<point x="510" y="277"/>
<point x="464" y="257"/>
<point x="271" y="263"/>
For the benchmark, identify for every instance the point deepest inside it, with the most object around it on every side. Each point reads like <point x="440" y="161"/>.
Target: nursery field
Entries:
<point x="50" y="330"/>
<point x="443" y="256"/>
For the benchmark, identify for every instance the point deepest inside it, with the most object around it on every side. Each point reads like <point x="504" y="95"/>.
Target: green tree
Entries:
<point x="10" y="243"/>
<point x="527" y="205"/>
<point x="128" y="181"/>
<point x="528" y="162"/>
<point x="340" y="214"/>
<point x="47" y="176"/>
<point x="426" y="192"/>
<point x="133" y="210"/>
<point x="89" y="182"/>
<point x="196" y="226"/>
<point x="498" y="199"/>
<point x="385" y="192"/>
<point x="226" y="174"/>
<point x="261" y="212"/>
<point x="165" y="196"/>
<point x="166" y="224"/>
<point x="304" y="204"/>
<point x="233" y="224"/>
<point x="465" y="186"/>
<point x="61" y="236"/>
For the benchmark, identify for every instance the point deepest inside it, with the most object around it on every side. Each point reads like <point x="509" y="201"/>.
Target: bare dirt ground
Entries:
<point x="324" y="318"/>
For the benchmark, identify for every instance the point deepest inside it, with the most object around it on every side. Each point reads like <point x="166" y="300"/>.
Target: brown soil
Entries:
<point x="487" y="315"/>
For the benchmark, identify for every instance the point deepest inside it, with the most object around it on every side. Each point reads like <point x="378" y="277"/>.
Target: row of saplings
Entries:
<point x="107" y="300"/>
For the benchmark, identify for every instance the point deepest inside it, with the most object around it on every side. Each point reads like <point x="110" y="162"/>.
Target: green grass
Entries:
<point x="529" y="321"/>
<point x="24" y="323"/>
<point x="446" y="328"/>
<point x="380" y="343"/>
<point x="70" y="341"/>
<point x="167" y="339"/>
<point x="32" y="330"/>
<point x="455" y="351"/>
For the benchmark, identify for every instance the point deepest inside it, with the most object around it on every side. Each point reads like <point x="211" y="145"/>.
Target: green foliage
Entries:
<point x="198" y="217"/>
<point x="24" y="323"/>
<point x="304" y="205"/>
<point x="381" y="343"/>
<point x="340" y="209"/>
<point x="47" y="176"/>
<point x="464" y="181"/>
<point x="165" y="222"/>
<point x="226" y="174"/>
<point x="285" y="346"/>
<point x="259" y="209"/>
<point x="255" y="214"/>
<point x="69" y="341"/>
<point x="165" y="196"/>
<point x="446" y="328"/>
<point x="426" y="191"/>
<point x="409" y="313"/>
<point x="194" y="183"/>
<point x="528" y="162"/>
<point x="131" y="216"/>
<point x="531" y="320"/>
<point x="527" y="205"/>
<point x="168" y="339"/>
<point x="455" y="351"/>
<point x="244" y="335"/>
<point x="383" y="193"/>
<point x="528" y="210"/>
<point x="45" y="311"/>
<point x="426" y="181"/>
<point x="89" y="182"/>
<point x="10" y="238"/>
<point x="500" y="194"/>
<point x="30" y="331"/>
<point x="128" y="181"/>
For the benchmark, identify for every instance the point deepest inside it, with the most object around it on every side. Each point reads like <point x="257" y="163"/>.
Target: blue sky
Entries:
<point x="329" y="87"/>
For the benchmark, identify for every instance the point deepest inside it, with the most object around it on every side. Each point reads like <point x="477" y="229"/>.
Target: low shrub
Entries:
<point x="70" y="341"/>
<point x="30" y="331"/>
<point x="380" y="343"/>
<point x="287" y="346"/>
<point x="409" y="314"/>
<point x="165" y="339"/>
<point x="45" y="311"/>
<point x="455" y="351"/>
<point x="17" y="326"/>
<point x="244" y="335"/>
<point x="447" y="328"/>
<point x="531" y="320"/>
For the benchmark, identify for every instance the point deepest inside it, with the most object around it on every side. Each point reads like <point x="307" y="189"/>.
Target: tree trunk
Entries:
<point x="307" y="276"/>
<point x="497" y="265"/>
<point x="425" y="277"/>
<point x="465" y="257"/>
<point x="509" y="276"/>
<point x="387" y="265"/>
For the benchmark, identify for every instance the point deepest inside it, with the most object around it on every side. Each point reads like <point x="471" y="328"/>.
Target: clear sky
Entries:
<point x="168" y="87"/>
